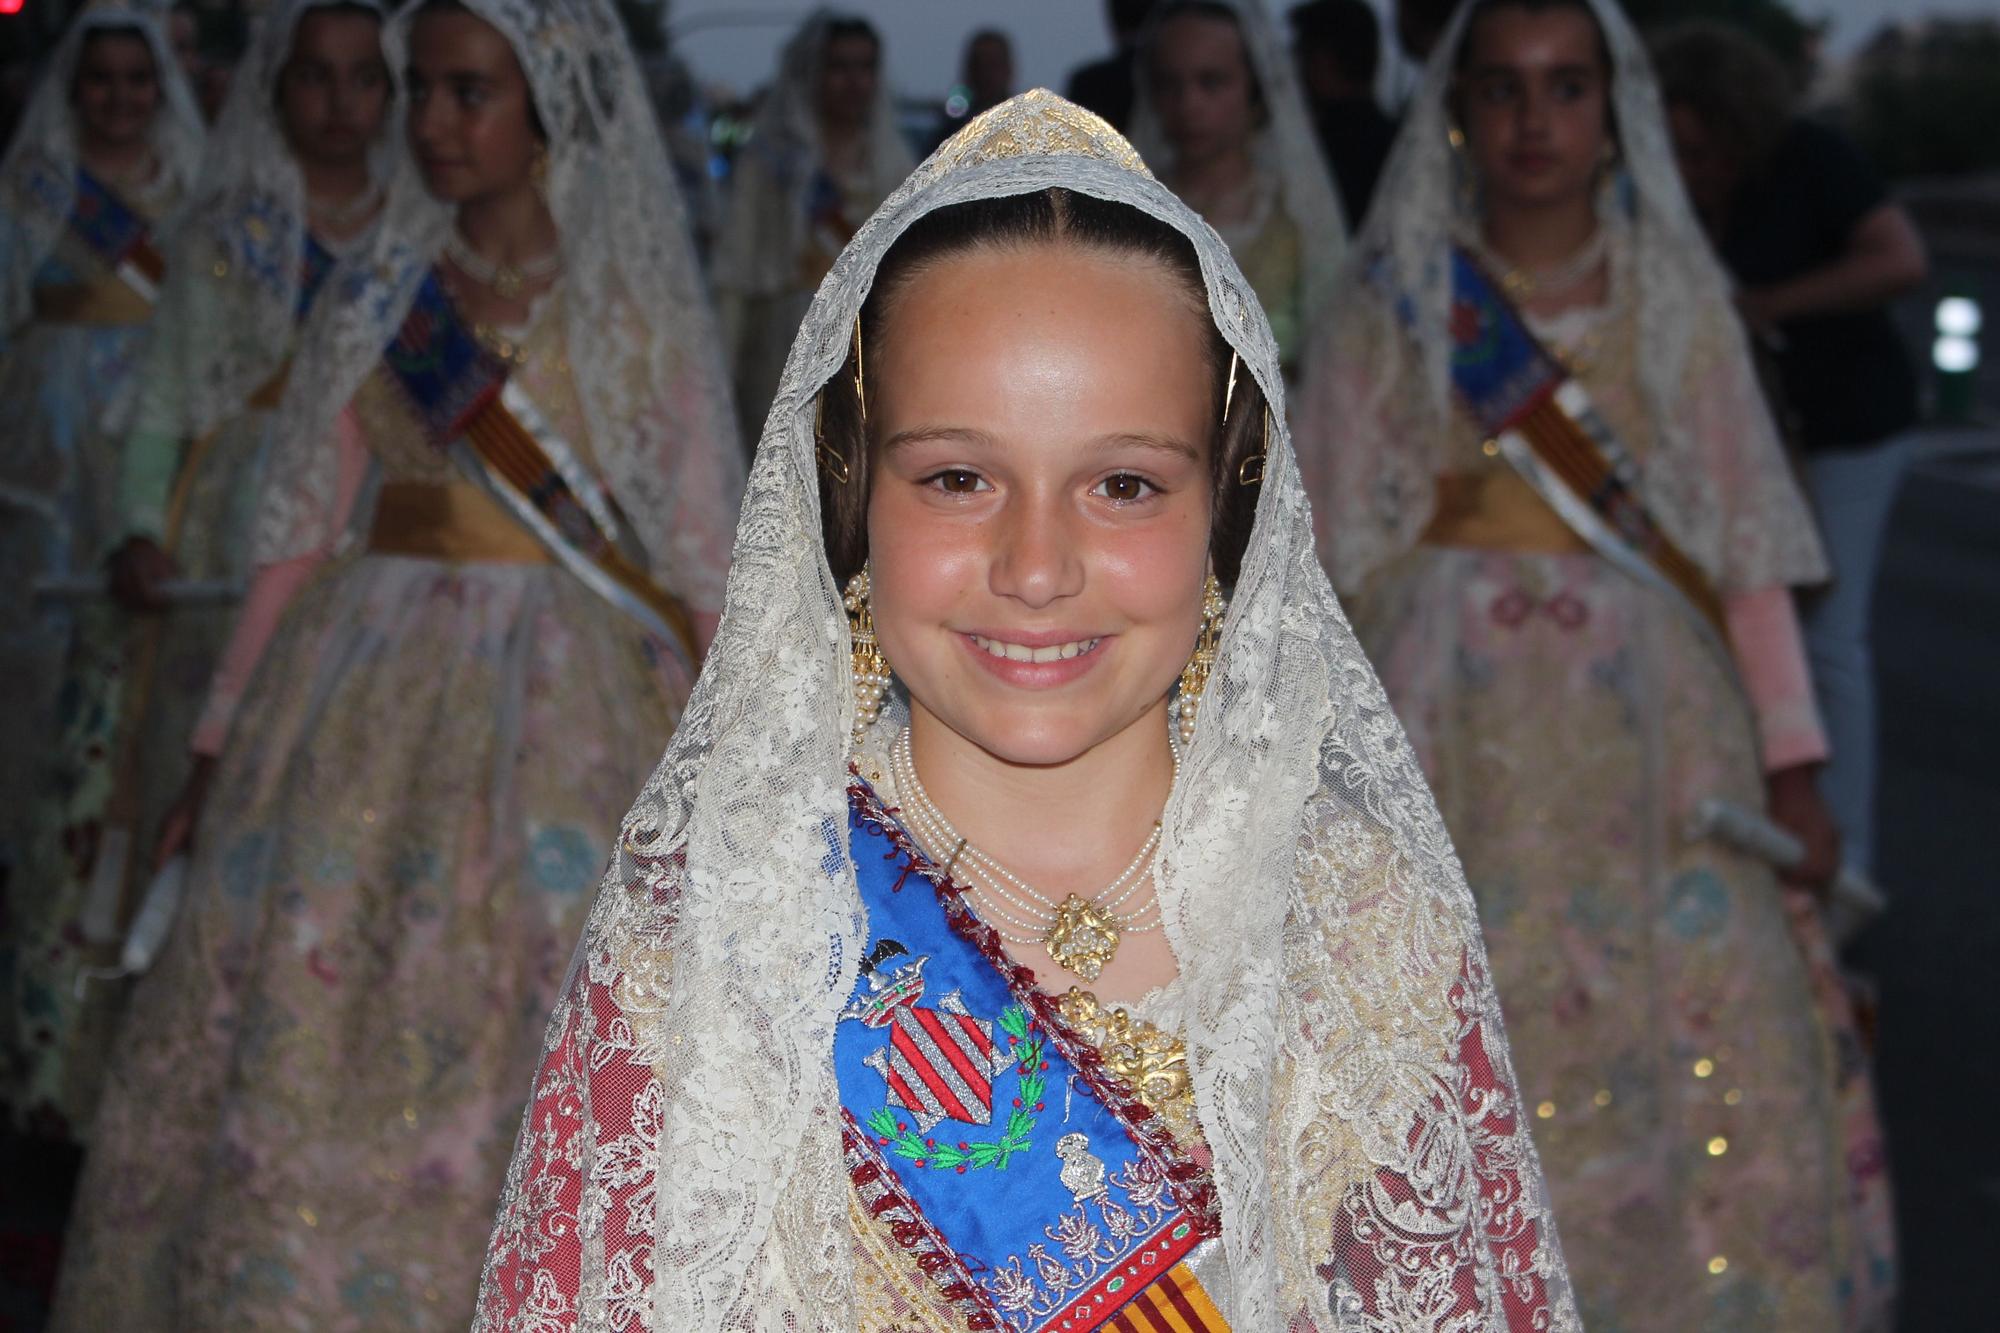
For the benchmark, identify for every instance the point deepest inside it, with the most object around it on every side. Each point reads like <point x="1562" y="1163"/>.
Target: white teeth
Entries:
<point x="1020" y="652"/>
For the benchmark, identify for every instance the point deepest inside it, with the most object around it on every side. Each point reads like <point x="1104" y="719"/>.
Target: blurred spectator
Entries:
<point x="1338" y="44"/>
<point x="1107" y="86"/>
<point x="985" y="80"/>
<point x="207" y="53"/>
<point x="184" y="33"/>
<point x="1818" y="250"/>
<point x="1420" y="25"/>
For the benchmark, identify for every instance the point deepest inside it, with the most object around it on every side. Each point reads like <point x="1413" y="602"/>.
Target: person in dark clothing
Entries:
<point x="985" y="80"/>
<point x="1818" y="249"/>
<point x="1106" y="86"/>
<point x="1420" y="24"/>
<point x="1338" y="45"/>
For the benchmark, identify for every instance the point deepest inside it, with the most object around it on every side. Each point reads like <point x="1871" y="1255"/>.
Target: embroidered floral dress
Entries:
<point x="64" y="658"/>
<point x="1700" y="1091"/>
<point x="311" y="1107"/>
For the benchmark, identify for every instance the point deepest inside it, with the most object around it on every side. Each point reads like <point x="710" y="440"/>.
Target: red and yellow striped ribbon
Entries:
<point x="1174" y="1304"/>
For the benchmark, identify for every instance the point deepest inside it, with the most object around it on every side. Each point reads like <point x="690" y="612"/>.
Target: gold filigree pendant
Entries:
<point x="1084" y="937"/>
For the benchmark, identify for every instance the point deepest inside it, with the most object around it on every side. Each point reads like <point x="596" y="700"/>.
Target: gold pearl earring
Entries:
<point x="871" y="669"/>
<point x="1194" y="676"/>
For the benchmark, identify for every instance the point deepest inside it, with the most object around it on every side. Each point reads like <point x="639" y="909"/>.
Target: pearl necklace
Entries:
<point x="1080" y="933"/>
<point x="340" y="215"/>
<point x="1556" y="278"/>
<point x="507" y="281"/>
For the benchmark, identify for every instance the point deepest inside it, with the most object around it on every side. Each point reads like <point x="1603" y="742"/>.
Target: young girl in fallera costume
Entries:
<point x="1220" y="116"/>
<point x="96" y="171"/>
<point x="1024" y="605"/>
<point x="489" y="543"/>
<point x="1546" y="479"/>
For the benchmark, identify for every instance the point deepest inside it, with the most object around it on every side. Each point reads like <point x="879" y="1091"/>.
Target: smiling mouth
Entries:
<point x="1021" y="652"/>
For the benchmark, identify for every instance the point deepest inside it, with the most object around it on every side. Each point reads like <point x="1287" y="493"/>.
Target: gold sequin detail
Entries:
<point x="1035" y="124"/>
<point x="1152" y="1062"/>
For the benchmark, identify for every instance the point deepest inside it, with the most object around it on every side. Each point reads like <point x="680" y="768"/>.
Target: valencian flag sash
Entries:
<point x="314" y="267"/>
<point x="485" y="421"/>
<point x="1544" y="424"/>
<point x="117" y="235"/>
<point x="1034" y="1189"/>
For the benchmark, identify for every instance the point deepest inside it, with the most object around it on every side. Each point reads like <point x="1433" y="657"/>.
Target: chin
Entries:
<point x="1035" y="735"/>
<point x="445" y="189"/>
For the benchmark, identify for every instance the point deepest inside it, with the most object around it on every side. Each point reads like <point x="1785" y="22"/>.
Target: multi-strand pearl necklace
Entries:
<point x="340" y="215"/>
<point x="1558" y="277"/>
<point x="1080" y="933"/>
<point x="507" y="281"/>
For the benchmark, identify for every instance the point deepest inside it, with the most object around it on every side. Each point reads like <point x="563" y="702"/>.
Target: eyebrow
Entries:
<point x="455" y="75"/>
<point x="1566" y="71"/>
<point x="937" y="434"/>
<point x="980" y="439"/>
<point x="1139" y="439"/>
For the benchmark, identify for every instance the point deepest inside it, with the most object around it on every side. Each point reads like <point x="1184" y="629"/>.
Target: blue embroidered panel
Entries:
<point x="443" y="368"/>
<point x="1499" y="369"/>
<point x="104" y="221"/>
<point x="315" y="265"/>
<point x="1038" y="1187"/>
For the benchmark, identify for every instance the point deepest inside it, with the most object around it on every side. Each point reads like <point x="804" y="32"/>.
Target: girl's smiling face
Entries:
<point x="1038" y="522"/>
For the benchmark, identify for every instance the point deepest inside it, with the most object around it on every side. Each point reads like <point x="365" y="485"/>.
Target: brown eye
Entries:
<point x="1124" y="488"/>
<point x="956" y="481"/>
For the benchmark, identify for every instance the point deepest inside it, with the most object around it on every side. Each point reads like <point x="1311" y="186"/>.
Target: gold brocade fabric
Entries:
<point x="455" y="521"/>
<point x="1496" y="511"/>
<point x="892" y="1294"/>
<point x="108" y="300"/>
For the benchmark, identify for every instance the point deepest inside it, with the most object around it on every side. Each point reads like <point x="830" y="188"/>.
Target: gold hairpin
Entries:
<point x="860" y="385"/>
<point x="828" y="458"/>
<point x="832" y="463"/>
<point x="1229" y="391"/>
<point x="1251" y="470"/>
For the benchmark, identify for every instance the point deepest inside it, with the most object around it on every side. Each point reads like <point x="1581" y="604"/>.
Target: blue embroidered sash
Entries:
<point x="1543" y="422"/>
<point x="472" y="411"/>
<point x="315" y="265"/>
<point x="116" y="234"/>
<point x="984" y="1134"/>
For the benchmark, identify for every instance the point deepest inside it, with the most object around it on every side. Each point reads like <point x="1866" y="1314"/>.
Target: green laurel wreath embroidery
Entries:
<point x="972" y="1154"/>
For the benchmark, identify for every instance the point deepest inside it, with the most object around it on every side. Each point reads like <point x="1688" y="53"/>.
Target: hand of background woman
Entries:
<point x="178" y="826"/>
<point x="138" y="568"/>
<point x="1797" y="807"/>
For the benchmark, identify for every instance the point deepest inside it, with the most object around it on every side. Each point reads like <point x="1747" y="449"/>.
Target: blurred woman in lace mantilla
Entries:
<point x="89" y="190"/>
<point x="1220" y="115"/>
<point x="1545" y="477"/>
<point x="1038" y="921"/>
<point x="824" y="150"/>
<point x="487" y="552"/>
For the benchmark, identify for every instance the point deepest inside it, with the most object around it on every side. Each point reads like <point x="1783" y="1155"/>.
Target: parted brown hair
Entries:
<point x="1054" y="216"/>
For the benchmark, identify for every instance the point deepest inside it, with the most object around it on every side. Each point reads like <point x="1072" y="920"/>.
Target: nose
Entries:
<point x="1037" y="559"/>
<point x="1534" y="112"/>
<point x="429" y="116"/>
